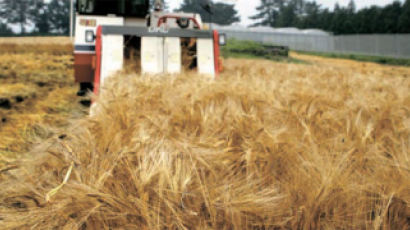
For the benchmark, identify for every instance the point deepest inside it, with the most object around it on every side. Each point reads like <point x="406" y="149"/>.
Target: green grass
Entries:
<point x="363" y="58"/>
<point x="252" y="50"/>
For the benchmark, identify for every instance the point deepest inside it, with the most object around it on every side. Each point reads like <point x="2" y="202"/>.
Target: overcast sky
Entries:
<point x="246" y="8"/>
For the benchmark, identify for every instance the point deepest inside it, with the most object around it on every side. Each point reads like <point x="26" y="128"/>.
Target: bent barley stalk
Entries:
<point x="266" y="146"/>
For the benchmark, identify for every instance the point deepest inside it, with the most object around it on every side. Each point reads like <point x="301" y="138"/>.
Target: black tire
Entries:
<point x="183" y="23"/>
<point x="84" y="88"/>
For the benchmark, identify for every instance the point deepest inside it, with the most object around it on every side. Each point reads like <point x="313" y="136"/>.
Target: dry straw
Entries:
<point x="266" y="146"/>
<point x="45" y="45"/>
<point x="36" y="88"/>
<point x="57" y="40"/>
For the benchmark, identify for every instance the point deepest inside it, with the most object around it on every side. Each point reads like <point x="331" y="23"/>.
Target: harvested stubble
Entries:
<point x="45" y="45"/>
<point x="47" y="69"/>
<point x="53" y="49"/>
<point x="266" y="146"/>
<point x="36" y="89"/>
<point x="57" y="40"/>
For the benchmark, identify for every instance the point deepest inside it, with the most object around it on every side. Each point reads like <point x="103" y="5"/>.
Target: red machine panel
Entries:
<point x="84" y="67"/>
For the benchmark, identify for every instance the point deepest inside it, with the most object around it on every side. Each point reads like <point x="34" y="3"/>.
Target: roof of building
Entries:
<point x="287" y="30"/>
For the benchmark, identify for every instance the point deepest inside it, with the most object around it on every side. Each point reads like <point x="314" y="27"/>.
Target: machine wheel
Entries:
<point x="85" y="87"/>
<point x="183" y="23"/>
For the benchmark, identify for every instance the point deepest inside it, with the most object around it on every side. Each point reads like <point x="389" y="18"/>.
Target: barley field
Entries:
<point x="36" y="40"/>
<point x="36" y="91"/>
<point x="323" y="144"/>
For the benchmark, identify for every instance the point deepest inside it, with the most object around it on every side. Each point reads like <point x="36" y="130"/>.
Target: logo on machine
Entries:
<point x="161" y="30"/>
<point x="88" y="22"/>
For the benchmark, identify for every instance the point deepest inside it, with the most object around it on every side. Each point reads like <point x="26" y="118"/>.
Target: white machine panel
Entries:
<point x="158" y="55"/>
<point x="205" y="52"/>
<point x="89" y="23"/>
<point x="172" y="50"/>
<point x="152" y="55"/>
<point x="112" y="55"/>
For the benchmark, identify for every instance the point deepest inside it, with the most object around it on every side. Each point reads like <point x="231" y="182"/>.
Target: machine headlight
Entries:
<point x="89" y="36"/>
<point x="222" y="39"/>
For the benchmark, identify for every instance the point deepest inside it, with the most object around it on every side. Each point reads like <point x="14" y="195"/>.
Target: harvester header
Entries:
<point x="160" y="50"/>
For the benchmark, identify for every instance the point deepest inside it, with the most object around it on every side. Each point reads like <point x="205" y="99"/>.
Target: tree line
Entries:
<point x="219" y="13"/>
<point x="392" y="18"/>
<point x="53" y="17"/>
<point x="44" y="18"/>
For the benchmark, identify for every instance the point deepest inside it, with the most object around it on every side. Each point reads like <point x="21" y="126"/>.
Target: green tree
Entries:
<point x="16" y="12"/>
<point x="4" y="29"/>
<point x="219" y="13"/>
<point x="363" y="21"/>
<point x="311" y="17"/>
<point x="391" y="14"/>
<point x="298" y="6"/>
<point x="288" y="15"/>
<point x="342" y="20"/>
<point x="39" y="16"/>
<point x="337" y="20"/>
<point x="349" y="23"/>
<point x="280" y="13"/>
<point x="225" y="14"/>
<point x="351" y="7"/>
<point x="268" y="13"/>
<point x="392" y="18"/>
<point x="59" y="16"/>
<point x="404" y="19"/>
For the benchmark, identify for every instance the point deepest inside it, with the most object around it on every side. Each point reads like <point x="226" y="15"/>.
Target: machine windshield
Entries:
<point x="130" y="8"/>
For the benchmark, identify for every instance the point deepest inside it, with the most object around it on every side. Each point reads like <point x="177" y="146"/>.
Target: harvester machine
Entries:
<point x="112" y="34"/>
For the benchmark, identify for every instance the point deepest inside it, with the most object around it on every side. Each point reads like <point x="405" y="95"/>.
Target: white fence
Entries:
<point x="392" y="45"/>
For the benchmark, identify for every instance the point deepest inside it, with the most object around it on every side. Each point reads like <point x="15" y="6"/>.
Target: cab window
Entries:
<point x="130" y="8"/>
